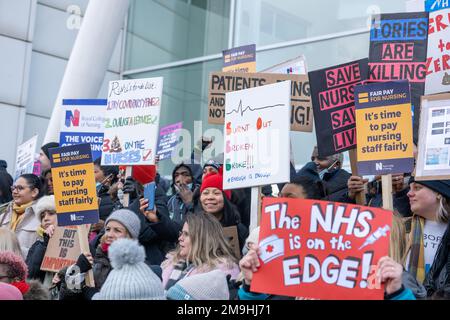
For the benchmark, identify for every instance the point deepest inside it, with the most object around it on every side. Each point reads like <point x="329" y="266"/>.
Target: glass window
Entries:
<point x="185" y="95"/>
<point x="162" y="31"/>
<point x="267" y="22"/>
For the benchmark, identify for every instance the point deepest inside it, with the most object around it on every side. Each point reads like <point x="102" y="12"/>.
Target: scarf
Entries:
<point x="22" y="286"/>
<point x="17" y="214"/>
<point x="105" y="247"/>
<point x="416" y="266"/>
<point x="179" y="272"/>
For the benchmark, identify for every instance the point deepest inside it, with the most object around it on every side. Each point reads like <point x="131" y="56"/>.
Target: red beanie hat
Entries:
<point x="143" y="173"/>
<point x="214" y="180"/>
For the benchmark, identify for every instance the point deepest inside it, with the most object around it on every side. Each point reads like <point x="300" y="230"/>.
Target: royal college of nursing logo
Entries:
<point x="72" y="117"/>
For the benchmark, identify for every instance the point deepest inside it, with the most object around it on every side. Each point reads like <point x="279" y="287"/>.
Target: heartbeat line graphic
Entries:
<point x="242" y="111"/>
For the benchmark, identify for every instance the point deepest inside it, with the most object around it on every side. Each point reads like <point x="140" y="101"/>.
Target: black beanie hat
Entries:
<point x="47" y="146"/>
<point x="440" y="186"/>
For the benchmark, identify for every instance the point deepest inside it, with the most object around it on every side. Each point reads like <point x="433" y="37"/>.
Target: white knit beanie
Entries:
<point x="130" y="278"/>
<point x="46" y="203"/>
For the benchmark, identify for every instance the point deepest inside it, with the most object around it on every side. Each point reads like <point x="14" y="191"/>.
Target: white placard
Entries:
<point x="132" y="122"/>
<point x="438" y="52"/>
<point x="433" y="160"/>
<point x="293" y="66"/>
<point x="257" y="125"/>
<point x="25" y="157"/>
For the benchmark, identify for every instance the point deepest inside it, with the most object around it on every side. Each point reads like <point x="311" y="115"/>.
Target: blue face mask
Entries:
<point x="190" y="186"/>
<point x="98" y="185"/>
<point x="322" y="173"/>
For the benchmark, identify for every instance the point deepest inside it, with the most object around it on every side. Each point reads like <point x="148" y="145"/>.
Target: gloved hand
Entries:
<point x="130" y="187"/>
<point x="83" y="263"/>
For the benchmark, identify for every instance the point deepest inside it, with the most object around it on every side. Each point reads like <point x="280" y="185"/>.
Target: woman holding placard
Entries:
<point x="20" y="216"/>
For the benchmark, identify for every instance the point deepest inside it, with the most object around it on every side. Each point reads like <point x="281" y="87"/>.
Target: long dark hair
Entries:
<point x="6" y="182"/>
<point x="34" y="182"/>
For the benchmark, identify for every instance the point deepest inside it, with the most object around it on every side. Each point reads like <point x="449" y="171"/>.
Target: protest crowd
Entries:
<point x="200" y="235"/>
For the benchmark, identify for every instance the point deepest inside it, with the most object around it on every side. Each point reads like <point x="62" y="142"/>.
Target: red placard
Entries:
<point x="321" y="249"/>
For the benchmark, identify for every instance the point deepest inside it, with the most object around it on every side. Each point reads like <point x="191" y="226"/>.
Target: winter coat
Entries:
<point x="106" y="203"/>
<point x="26" y="229"/>
<point x="101" y="268"/>
<point x="168" y="266"/>
<point x="35" y="257"/>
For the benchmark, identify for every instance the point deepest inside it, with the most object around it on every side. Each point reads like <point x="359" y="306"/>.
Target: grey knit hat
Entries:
<point x="131" y="278"/>
<point x="129" y="220"/>
<point x="212" y="285"/>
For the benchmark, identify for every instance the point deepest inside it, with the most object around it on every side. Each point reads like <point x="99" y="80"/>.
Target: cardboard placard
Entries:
<point x="25" y="157"/>
<point x="256" y="136"/>
<point x="240" y="59"/>
<point x="398" y="51"/>
<point x="83" y="123"/>
<point x="384" y="128"/>
<point x="320" y="249"/>
<point x="168" y="140"/>
<point x="133" y="109"/>
<point x="63" y="249"/>
<point x="433" y="151"/>
<point x="74" y="185"/>
<point x="332" y="95"/>
<point x="221" y="83"/>
<point x="231" y="235"/>
<point x="438" y="50"/>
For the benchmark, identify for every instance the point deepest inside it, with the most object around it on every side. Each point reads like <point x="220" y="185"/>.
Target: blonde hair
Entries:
<point x="9" y="242"/>
<point x="209" y="247"/>
<point x="444" y="209"/>
<point x="397" y="239"/>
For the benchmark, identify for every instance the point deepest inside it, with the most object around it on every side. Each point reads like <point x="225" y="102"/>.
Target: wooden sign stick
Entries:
<point x="255" y="209"/>
<point x="82" y="231"/>
<point x="386" y="186"/>
<point x="126" y="196"/>
<point x="360" y="197"/>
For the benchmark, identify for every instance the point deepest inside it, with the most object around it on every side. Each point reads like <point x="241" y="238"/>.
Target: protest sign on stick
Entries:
<point x="333" y="100"/>
<point x="398" y="51"/>
<point x="74" y="185"/>
<point x="83" y="123"/>
<point x="321" y="250"/>
<point x="168" y="140"/>
<point x="240" y="59"/>
<point x="438" y="49"/>
<point x="257" y="139"/>
<point x="384" y="128"/>
<point x="25" y="157"/>
<point x="433" y="150"/>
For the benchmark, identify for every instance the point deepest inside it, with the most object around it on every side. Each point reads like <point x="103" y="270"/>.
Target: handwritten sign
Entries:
<point x="74" y="185"/>
<point x="438" y="50"/>
<point x="398" y="51"/>
<point x="133" y="109"/>
<point x="220" y="83"/>
<point x="321" y="250"/>
<point x="333" y="100"/>
<point x="83" y="123"/>
<point x="384" y="128"/>
<point x="433" y="154"/>
<point x="63" y="249"/>
<point x="257" y="136"/>
<point x="25" y="157"/>
<point x="240" y="59"/>
<point x="168" y="140"/>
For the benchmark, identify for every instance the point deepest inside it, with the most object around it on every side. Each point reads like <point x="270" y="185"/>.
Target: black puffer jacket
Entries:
<point x="35" y="257"/>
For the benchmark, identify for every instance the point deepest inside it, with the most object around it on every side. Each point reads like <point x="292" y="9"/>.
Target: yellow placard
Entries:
<point x="73" y="188"/>
<point x="383" y="132"/>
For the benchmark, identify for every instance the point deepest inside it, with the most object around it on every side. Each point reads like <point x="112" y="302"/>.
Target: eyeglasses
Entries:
<point x="19" y="188"/>
<point x="183" y="233"/>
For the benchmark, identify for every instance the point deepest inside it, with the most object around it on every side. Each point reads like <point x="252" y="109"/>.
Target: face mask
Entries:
<point x="98" y="185"/>
<point x="322" y="173"/>
<point x="190" y="186"/>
